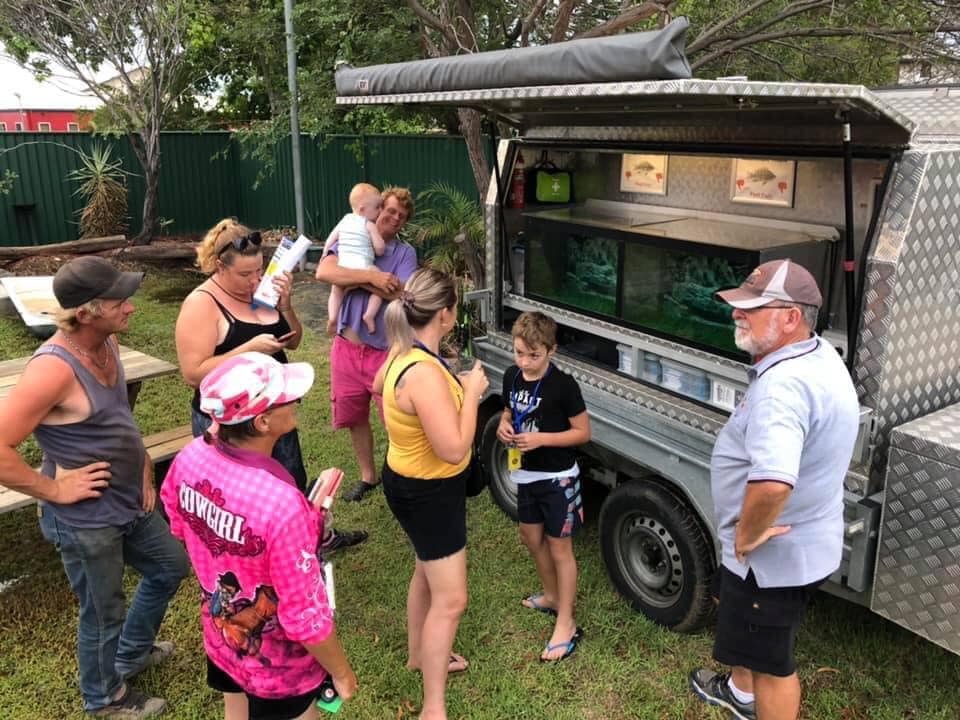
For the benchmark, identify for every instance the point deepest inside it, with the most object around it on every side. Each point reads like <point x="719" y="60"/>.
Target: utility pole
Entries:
<point x="294" y="114"/>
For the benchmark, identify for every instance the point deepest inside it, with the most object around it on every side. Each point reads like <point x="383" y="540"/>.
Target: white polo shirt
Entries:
<point x="797" y="425"/>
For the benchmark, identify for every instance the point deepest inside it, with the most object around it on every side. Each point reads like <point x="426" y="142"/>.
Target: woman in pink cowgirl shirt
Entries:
<point x="252" y="536"/>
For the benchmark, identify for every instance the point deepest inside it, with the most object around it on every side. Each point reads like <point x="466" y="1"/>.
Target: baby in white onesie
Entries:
<point x="359" y="243"/>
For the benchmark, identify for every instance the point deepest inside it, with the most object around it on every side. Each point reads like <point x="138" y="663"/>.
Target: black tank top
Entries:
<point x="239" y="332"/>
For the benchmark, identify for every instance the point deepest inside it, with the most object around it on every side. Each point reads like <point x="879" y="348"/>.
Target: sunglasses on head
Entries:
<point x="242" y="243"/>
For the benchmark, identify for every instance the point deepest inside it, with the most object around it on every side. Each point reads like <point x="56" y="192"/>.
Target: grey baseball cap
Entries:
<point x="777" y="280"/>
<point x="90" y="277"/>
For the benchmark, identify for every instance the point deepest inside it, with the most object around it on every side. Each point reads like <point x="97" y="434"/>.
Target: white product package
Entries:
<point x="284" y="259"/>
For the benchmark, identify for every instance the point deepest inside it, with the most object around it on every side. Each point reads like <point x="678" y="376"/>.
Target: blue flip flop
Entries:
<point x="534" y="601"/>
<point x="570" y="646"/>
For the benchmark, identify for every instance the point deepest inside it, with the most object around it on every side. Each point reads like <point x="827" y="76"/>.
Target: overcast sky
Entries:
<point x="59" y="92"/>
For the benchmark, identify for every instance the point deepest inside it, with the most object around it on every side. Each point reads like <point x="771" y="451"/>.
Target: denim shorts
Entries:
<point x="757" y="627"/>
<point x="555" y="503"/>
<point x="261" y="708"/>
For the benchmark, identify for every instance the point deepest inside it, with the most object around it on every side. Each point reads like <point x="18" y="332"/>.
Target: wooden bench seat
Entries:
<point x="160" y="446"/>
<point x="164" y="445"/>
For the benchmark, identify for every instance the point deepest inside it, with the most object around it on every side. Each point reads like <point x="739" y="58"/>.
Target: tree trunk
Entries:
<point x="472" y="260"/>
<point x="146" y="145"/>
<point x="72" y="247"/>
<point x="470" y="129"/>
<point x="170" y="251"/>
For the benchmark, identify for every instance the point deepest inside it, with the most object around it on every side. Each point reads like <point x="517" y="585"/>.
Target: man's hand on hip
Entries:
<point x="743" y="546"/>
<point x="81" y="483"/>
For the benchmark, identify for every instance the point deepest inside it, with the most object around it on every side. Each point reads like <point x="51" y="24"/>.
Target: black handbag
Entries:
<point x="477" y="478"/>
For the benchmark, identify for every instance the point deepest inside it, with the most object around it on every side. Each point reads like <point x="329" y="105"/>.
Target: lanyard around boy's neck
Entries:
<point x="439" y="359"/>
<point x="521" y="413"/>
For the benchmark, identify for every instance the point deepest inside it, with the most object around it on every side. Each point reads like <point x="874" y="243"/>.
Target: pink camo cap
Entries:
<point x="777" y="280"/>
<point x="251" y="383"/>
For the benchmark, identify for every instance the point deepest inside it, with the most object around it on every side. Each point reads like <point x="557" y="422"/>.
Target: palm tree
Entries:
<point x="451" y="232"/>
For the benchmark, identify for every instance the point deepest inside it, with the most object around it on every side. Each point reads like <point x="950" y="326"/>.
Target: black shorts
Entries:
<point x="261" y="708"/>
<point x="433" y="513"/>
<point x="556" y="504"/>
<point x="757" y="627"/>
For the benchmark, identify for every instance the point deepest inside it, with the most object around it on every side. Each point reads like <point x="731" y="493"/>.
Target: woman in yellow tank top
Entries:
<point x="431" y="419"/>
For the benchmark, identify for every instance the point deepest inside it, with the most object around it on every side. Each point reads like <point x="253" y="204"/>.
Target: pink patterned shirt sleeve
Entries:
<point x="303" y="608"/>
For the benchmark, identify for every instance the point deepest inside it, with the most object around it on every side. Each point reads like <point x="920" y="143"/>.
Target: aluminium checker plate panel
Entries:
<point x="917" y="580"/>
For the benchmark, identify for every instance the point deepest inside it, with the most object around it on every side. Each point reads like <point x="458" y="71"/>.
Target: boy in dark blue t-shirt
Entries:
<point x="543" y="422"/>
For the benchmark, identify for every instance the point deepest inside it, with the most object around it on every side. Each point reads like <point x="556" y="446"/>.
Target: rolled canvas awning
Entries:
<point x="588" y="88"/>
<point x="653" y="55"/>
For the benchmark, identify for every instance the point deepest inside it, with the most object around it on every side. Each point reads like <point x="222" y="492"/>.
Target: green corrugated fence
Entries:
<point x="204" y="177"/>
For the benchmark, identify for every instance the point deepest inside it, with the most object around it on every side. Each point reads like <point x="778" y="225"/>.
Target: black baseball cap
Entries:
<point x="90" y="277"/>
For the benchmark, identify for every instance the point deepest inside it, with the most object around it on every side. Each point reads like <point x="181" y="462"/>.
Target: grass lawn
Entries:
<point x="853" y="664"/>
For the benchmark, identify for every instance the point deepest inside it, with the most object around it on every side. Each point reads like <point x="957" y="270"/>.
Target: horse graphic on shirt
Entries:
<point x="242" y="621"/>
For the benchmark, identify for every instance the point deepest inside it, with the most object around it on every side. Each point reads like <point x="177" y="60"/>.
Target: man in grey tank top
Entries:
<point x="776" y="475"/>
<point x="96" y="482"/>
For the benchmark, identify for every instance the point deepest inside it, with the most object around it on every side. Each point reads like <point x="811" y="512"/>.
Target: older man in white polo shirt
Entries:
<point x="777" y="480"/>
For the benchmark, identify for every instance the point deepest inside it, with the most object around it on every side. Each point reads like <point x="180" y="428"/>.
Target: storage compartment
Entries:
<point x="652" y="370"/>
<point x="916" y="577"/>
<point x="630" y="360"/>
<point x="657" y="269"/>
<point x="686" y="380"/>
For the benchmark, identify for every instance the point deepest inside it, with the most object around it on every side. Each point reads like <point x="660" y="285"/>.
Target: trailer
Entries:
<point x="676" y="188"/>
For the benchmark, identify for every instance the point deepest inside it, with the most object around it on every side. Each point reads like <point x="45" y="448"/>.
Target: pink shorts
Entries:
<point x="352" y="369"/>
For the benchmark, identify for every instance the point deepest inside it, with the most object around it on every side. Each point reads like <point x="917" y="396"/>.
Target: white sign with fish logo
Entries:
<point x="765" y="182"/>
<point x="644" y="174"/>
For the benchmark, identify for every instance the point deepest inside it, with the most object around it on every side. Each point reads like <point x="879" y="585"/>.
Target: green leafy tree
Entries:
<point x="241" y="46"/>
<point x="142" y="41"/>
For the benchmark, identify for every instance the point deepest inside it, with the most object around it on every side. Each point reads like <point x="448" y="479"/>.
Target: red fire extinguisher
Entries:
<point x="518" y="184"/>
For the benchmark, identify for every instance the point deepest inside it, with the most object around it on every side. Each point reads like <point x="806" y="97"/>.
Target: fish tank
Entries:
<point x="653" y="274"/>
<point x="671" y="293"/>
<point x="574" y="270"/>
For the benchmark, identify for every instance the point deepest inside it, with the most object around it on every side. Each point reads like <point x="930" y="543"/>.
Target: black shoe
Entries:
<point x="340" y="539"/>
<point x="356" y="493"/>
<point x="132" y="706"/>
<point x="713" y="688"/>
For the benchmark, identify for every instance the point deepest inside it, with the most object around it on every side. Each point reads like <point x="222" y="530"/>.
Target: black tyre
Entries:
<point x="493" y="455"/>
<point x="658" y="554"/>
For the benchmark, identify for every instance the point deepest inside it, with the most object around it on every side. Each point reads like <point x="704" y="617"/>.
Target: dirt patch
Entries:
<point x="310" y="300"/>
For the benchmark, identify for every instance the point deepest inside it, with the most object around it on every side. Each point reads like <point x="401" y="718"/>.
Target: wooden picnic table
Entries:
<point x="137" y="366"/>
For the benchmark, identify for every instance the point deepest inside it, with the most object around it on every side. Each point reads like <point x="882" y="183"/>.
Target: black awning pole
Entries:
<point x="849" y="259"/>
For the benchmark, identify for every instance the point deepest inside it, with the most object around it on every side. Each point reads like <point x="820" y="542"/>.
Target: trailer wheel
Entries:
<point x="493" y="455"/>
<point x="658" y="555"/>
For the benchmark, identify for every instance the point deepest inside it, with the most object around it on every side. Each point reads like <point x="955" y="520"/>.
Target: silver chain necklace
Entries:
<point x="91" y="356"/>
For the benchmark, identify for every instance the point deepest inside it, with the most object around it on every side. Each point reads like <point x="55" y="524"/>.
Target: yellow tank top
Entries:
<point x="410" y="453"/>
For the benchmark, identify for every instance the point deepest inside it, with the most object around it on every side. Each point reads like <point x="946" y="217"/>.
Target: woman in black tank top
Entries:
<point x="218" y="320"/>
